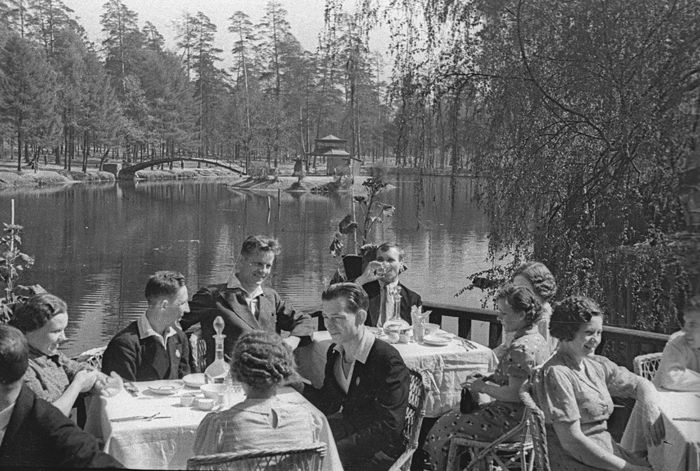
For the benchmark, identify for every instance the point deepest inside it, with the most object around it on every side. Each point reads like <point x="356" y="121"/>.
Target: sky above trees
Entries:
<point x="305" y="18"/>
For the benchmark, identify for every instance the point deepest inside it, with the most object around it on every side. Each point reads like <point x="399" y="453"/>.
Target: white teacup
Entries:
<point x="205" y="403"/>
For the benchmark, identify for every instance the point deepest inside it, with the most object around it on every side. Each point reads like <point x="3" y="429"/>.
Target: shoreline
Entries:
<point x="28" y="178"/>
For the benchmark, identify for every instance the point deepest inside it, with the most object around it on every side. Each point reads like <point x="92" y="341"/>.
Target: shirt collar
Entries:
<point x="5" y="416"/>
<point x="235" y="283"/>
<point x="393" y="284"/>
<point x="358" y="350"/>
<point x="35" y="354"/>
<point x="146" y="330"/>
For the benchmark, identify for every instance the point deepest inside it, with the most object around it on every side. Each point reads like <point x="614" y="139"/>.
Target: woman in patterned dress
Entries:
<point x="574" y="389"/>
<point x="519" y="313"/>
<point x="262" y="363"/>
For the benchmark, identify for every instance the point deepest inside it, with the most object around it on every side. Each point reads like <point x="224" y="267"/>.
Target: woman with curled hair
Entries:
<point x="575" y="388"/>
<point x="52" y="375"/>
<point x="519" y="311"/>
<point x="539" y="279"/>
<point x="263" y="363"/>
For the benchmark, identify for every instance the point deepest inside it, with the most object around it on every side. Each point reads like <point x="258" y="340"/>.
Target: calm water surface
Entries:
<point x="95" y="245"/>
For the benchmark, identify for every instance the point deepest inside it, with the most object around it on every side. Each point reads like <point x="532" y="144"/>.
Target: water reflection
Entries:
<point x="95" y="245"/>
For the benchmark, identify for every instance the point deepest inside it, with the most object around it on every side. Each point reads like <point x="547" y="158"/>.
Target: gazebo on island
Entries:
<point x="338" y="160"/>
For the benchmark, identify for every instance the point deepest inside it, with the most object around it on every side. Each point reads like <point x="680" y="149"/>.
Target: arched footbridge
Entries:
<point x="128" y="172"/>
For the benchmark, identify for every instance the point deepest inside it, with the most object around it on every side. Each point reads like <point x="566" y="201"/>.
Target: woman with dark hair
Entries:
<point x="51" y="375"/>
<point x="519" y="312"/>
<point x="575" y="389"/>
<point x="262" y="363"/>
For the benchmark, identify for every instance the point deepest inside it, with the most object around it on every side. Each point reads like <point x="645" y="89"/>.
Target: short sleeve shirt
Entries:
<point x="570" y="393"/>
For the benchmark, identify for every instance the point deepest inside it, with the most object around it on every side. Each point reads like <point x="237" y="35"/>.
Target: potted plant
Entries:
<point x="372" y="211"/>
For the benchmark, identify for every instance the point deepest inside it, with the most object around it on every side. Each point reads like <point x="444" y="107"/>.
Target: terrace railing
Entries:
<point x="619" y="344"/>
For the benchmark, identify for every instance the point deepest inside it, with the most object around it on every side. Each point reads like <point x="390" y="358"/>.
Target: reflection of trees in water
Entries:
<point x="96" y="245"/>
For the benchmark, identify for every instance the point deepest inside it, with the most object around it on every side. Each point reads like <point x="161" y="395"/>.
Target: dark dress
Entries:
<point x="490" y="421"/>
<point x="40" y="436"/>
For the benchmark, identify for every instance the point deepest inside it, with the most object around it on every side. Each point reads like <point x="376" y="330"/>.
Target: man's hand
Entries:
<point x="109" y="386"/>
<point x="292" y="341"/>
<point x="373" y="271"/>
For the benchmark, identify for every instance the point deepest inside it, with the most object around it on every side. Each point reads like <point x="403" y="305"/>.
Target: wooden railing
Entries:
<point x="619" y="344"/>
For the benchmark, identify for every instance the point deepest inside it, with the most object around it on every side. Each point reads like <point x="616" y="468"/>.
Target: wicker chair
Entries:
<point x="415" y="411"/>
<point x="307" y="458"/>
<point x="523" y="447"/>
<point x="646" y="365"/>
<point x="92" y="357"/>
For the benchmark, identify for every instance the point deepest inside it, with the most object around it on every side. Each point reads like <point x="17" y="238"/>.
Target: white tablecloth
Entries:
<point x="167" y="443"/>
<point x="449" y="366"/>
<point x="680" y="450"/>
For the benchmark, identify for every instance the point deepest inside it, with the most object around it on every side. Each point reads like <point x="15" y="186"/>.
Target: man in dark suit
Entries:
<point x="153" y="346"/>
<point x="244" y="304"/>
<point x="380" y="280"/>
<point x="33" y="433"/>
<point x="364" y="376"/>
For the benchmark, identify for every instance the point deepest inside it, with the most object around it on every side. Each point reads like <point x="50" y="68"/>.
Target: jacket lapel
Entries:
<point x="19" y="415"/>
<point x="375" y="308"/>
<point x="229" y="297"/>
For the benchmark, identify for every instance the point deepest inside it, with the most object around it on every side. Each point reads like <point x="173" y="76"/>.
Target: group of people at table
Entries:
<point x="366" y="386"/>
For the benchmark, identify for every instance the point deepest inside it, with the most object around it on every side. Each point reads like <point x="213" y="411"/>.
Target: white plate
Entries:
<point x="436" y="340"/>
<point x="166" y="388"/>
<point x="194" y="380"/>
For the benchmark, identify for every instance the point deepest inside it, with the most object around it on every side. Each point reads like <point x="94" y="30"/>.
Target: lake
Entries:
<point x="95" y="245"/>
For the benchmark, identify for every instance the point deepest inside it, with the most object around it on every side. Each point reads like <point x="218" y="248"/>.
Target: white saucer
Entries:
<point x="166" y="388"/>
<point x="194" y="380"/>
<point x="436" y="340"/>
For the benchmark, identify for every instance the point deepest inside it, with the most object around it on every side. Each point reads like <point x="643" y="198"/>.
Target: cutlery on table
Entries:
<point x="130" y="388"/>
<point x="140" y="417"/>
<point x="687" y="419"/>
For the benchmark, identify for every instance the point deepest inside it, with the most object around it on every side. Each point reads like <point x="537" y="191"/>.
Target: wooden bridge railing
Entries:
<point x="619" y="344"/>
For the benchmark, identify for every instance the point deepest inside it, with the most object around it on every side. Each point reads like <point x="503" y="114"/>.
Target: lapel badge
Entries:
<point x="177" y="353"/>
<point x="357" y="381"/>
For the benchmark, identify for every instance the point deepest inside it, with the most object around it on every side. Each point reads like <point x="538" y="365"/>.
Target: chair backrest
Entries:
<point x="646" y="365"/>
<point x="304" y="458"/>
<point x="198" y="351"/>
<point x="92" y="357"/>
<point x="535" y="420"/>
<point x="415" y="411"/>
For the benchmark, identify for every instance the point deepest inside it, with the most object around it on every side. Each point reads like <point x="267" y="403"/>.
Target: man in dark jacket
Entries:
<point x="380" y="280"/>
<point x="244" y="304"/>
<point x="154" y="346"/>
<point x="367" y="378"/>
<point x="33" y="433"/>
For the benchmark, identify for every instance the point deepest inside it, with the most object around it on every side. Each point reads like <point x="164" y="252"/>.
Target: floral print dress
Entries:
<point x="527" y="350"/>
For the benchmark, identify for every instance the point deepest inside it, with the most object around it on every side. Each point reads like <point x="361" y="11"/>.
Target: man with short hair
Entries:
<point x="366" y="378"/>
<point x="244" y="304"/>
<point x="380" y="280"/>
<point x="33" y="433"/>
<point x="154" y="346"/>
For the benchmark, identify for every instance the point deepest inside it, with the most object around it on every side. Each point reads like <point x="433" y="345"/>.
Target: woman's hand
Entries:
<point x="478" y="385"/>
<point x="85" y="380"/>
